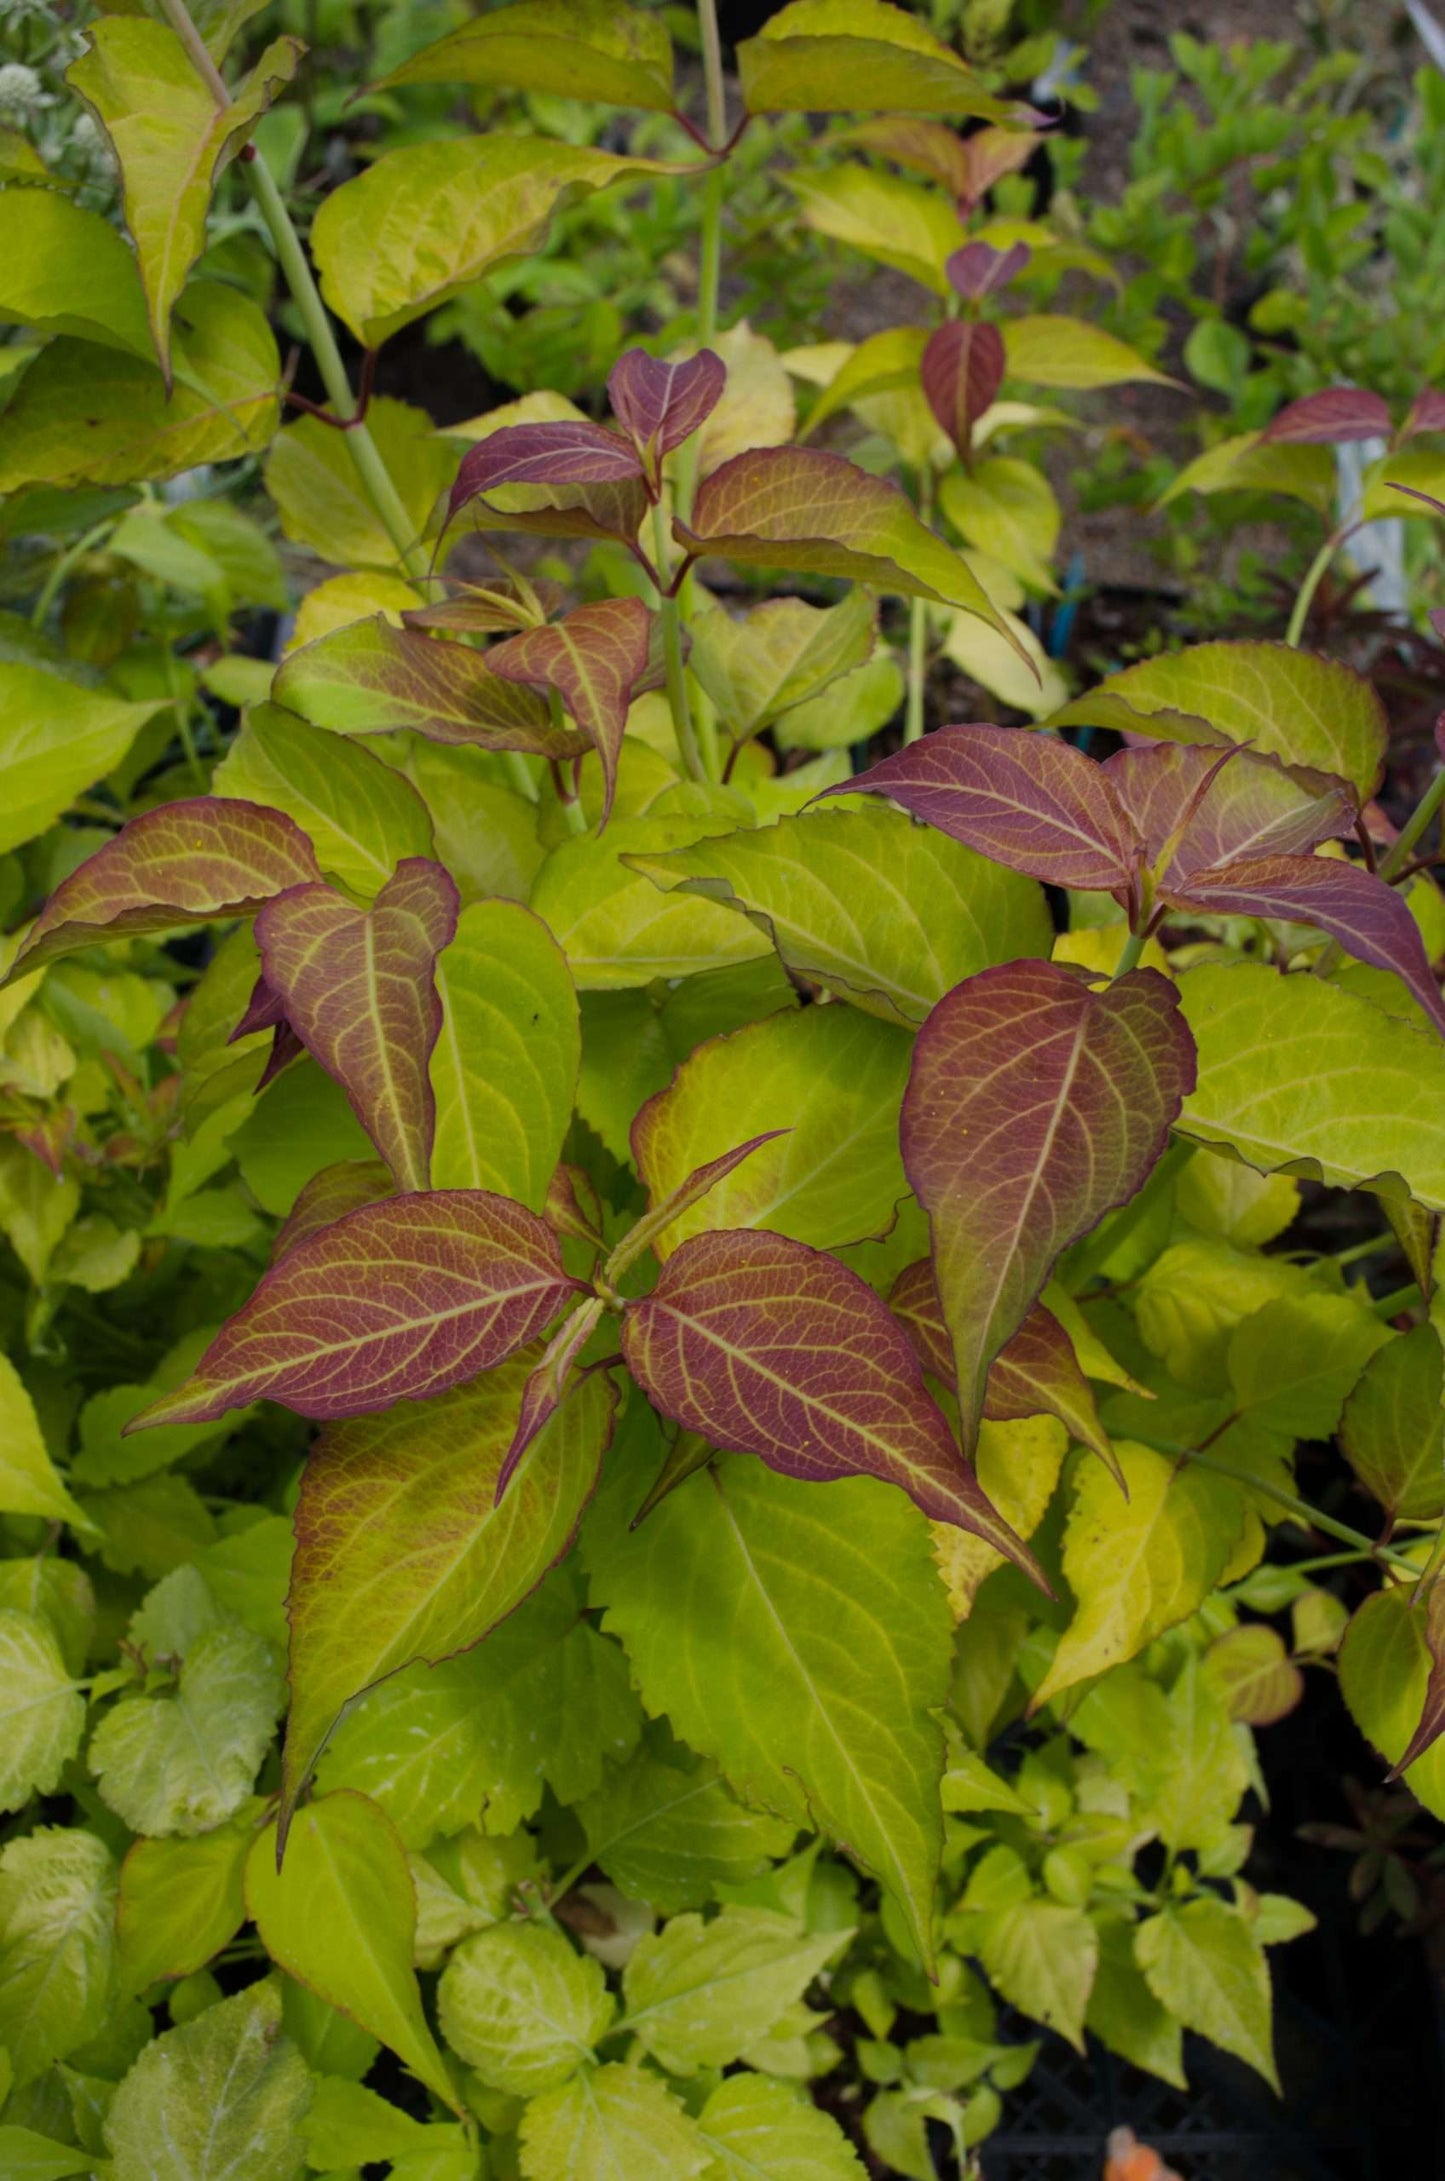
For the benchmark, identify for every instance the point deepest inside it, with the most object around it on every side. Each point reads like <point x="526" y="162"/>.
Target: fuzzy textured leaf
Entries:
<point x="220" y="2099"/>
<point x="523" y="2007"/>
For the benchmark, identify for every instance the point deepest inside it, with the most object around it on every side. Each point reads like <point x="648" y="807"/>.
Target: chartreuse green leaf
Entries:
<point x="1394" y="1424"/>
<point x="1123" y="2013"/>
<point x="1138" y="1567"/>
<point x="171" y="140"/>
<point x="42" y="1713"/>
<point x="1351" y="1096"/>
<point x="758" y="666"/>
<point x="66" y="270"/>
<point x="184" y="1759"/>
<point x="833" y="1078"/>
<point x="1041" y="1956"/>
<point x="608" y="2122"/>
<point x="224" y="2094"/>
<point x="860" y="900"/>
<point x="1385" y="1673"/>
<point x="362" y="817"/>
<point x="56" y="741"/>
<point x="797" y="1634"/>
<point x="544" y="1699"/>
<point x="57" y="1945"/>
<point x="82" y="417"/>
<point x="181" y="1901"/>
<point x="1292" y="1363"/>
<point x="1242" y="464"/>
<point x="430" y="218"/>
<point x="427" y="1471"/>
<point x="29" y="1483"/>
<point x="857" y="56"/>
<point x="340" y="1916"/>
<point x="1006" y="508"/>
<point x="322" y="503"/>
<point x="1050" y="351"/>
<point x="504" y="1072"/>
<point x="523" y="2007"/>
<point x="1203" y="1963"/>
<point x="896" y="222"/>
<point x="613" y="925"/>
<point x="300" y="1124"/>
<point x="670" y="1836"/>
<point x="760" y="2129"/>
<point x="1219" y="1196"/>
<point x="698" y="1994"/>
<point x="595" y="49"/>
<point x="59" y="1593"/>
<point x="26" y="2156"/>
<point x="1293" y="705"/>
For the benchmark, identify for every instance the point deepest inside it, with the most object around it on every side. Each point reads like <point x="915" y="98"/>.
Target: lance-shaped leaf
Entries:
<point x="1036" y="1374"/>
<point x="371" y="678"/>
<point x="1037" y="805"/>
<point x="978" y="269"/>
<point x="803" y="508"/>
<point x="1194" y="806"/>
<point x="1034" y="1106"/>
<point x="765" y="1346"/>
<point x="593" y="49"/>
<point x="358" y="986"/>
<point x="598" y="659"/>
<point x="549" y="1383"/>
<point x="402" y="1551"/>
<point x="962" y="371"/>
<point x="857" y="56"/>
<point x="1338" y="415"/>
<point x="659" y="405"/>
<point x="563" y="451"/>
<point x="329" y="1196"/>
<point x="187" y="863"/>
<point x="1370" y="920"/>
<point x="171" y="141"/>
<point x="396" y="1301"/>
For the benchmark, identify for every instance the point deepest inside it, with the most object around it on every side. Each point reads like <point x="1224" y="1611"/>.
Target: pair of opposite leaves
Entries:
<point x="1063" y="1097"/>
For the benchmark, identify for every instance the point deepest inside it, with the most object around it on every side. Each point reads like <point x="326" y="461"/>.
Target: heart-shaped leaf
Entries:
<point x="358" y="987"/>
<point x="766" y="1346"/>
<point x="659" y="405"/>
<point x="962" y="371"/>
<point x="396" y="1301"/>
<point x="1034" y="1106"/>
<point x="371" y="678"/>
<point x="598" y="659"/>
<point x="1037" y="805"/>
<point x="187" y="863"/>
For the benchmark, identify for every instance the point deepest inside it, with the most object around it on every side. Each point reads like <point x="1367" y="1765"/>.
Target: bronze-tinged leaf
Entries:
<point x="963" y="367"/>
<point x="659" y="405"/>
<point x="1427" y="414"/>
<point x="396" y="1301"/>
<point x="266" y="1010"/>
<point x="358" y="987"/>
<point x="1037" y="805"/>
<point x="329" y="1196"/>
<point x="1034" y="1106"/>
<point x="597" y="659"/>
<point x="1036" y="1374"/>
<point x="485" y="609"/>
<point x="1339" y="414"/>
<point x="978" y="269"/>
<point x="1368" y="918"/>
<point x="765" y="1346"/>
<point x="611" y="511"/>
<point x="549" y="1383"/>
<point x="185" y="864"/>
<point x="566" y="451"/>
<point x="803" y="508"/>
<point x="1430" y="1616"/>
<point x="1194" y="806"/>
<point x="371" y="678"/>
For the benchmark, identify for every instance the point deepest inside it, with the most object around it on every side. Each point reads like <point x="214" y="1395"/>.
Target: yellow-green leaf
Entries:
<point x="56" y="740"/>
<point x="1242" y="464"/>
<point x="1057" y="351"/>
<point x="1205" y="1965"/>
<point x="29" y="1484"/>
<point x="857" y="56"/>
<point x="1007" y="509"/>
<point x="322" y="502"/>
<point x="1385" y="1671"/>
<point x="66" y="270"/>
<point x="899" y="223"/>
<point x="613" y="925"/>
<point x="594" y="49"/>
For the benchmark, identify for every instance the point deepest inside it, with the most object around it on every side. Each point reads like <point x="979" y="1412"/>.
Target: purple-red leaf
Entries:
<point x="1427" y="414"/>
<point x="329" y="1196"/>
<point x="659" y="405"/>
<point x="978" y="269"/>
<point x="549" y="1383"/>
<point x="598" y="660"/>
<point x="1432" y="1717"/>
<point x="396" y="1301"/>
<point x="184" y="864"/>
<point x="1038" y="805"/>
<point x="963" y="367"/>
<point x="611" y="510"/>
<point x="567" y="451"/>
<point x="372" y="678"/>
<point x="764" y="1346"/>
<point x="1339" y="414"/>
<point x="1034" y="1106"/>
<point x="358" y="986"/>
<point x="265" y="1010"/>
<point x="1200" y="806"/>
<point x="482" y="609"/>
<point x="1368" y="918"/>
<point x="1037" y="1374"/>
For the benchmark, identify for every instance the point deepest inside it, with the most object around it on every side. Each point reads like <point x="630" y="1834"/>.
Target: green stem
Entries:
<point x="1310" y="1518"/>
<point x="1133" y="948"/>
<point x="371" y="469"/>
<point x="1400" y="1298"/>
<point x="51" y="588"/>
<point x="1433" y="1565"/>
<point x="667" y="607"/>
<point x="1414" y="826"/>
<point x="1314" y="577"/>
<point x="918" y="630"/>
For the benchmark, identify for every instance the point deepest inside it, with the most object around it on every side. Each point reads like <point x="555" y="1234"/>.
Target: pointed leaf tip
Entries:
<point x="659" y="405"/>
<point x="598" y="659"/>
